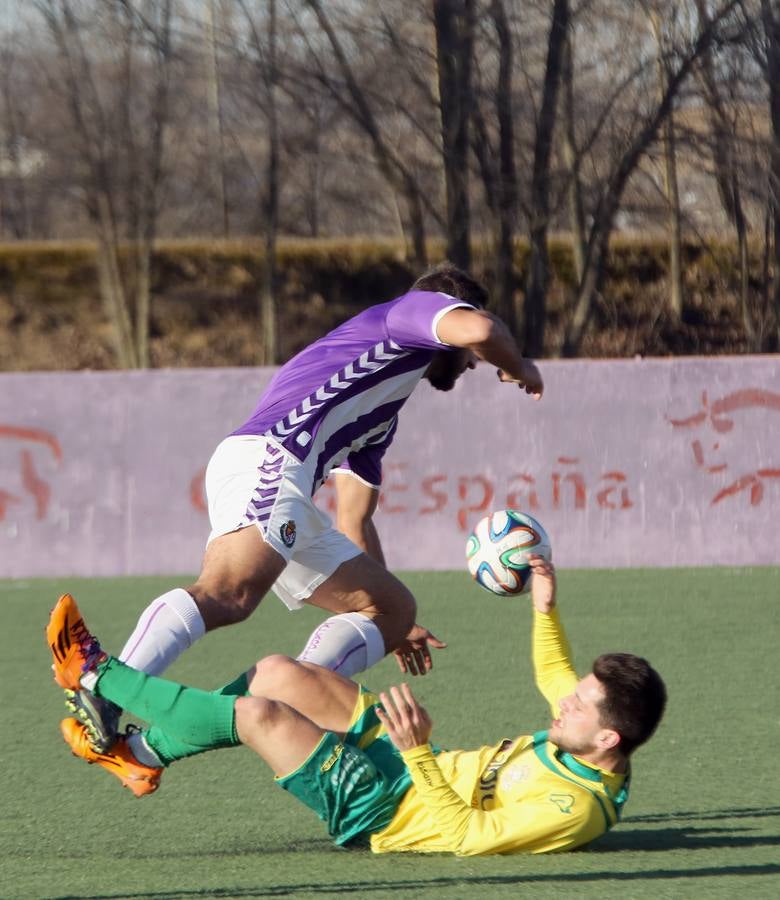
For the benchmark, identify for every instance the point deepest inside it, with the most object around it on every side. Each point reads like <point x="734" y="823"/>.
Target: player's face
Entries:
<point x="447" y="366"/>
<point x="579" y="729"/>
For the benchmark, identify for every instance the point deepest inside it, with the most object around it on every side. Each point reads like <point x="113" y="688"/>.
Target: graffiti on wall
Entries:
<point x="569" y="484"/>
<point x="26" y="448"/>
<point x="710" y="428"/>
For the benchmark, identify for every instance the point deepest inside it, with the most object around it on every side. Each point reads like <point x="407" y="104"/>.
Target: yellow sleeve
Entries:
<point x="531" y="826"/>
<point x="553" y="671"/>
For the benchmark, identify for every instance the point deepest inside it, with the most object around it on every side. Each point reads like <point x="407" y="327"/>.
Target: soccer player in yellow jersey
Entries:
<point x="365" y="764"/>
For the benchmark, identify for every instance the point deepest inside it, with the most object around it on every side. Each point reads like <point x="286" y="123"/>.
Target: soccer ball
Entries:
<point x="498" y="548"/>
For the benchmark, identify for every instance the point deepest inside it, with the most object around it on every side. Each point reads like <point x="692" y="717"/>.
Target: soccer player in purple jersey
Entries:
<point x="333" y="408"/>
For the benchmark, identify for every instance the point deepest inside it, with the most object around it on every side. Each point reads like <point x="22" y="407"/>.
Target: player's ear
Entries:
<point x="608" y="739"/>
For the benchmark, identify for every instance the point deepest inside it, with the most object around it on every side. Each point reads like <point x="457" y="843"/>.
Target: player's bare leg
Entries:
<point x="319" y="694"/>
<point x="275" y="731"/>
<point x="239" y="569"/>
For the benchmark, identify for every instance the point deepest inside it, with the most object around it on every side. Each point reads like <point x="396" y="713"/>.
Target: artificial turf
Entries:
<point x="703" y="819"/>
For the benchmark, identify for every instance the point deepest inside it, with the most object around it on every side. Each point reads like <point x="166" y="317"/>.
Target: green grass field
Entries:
<point x="703" y="820"/>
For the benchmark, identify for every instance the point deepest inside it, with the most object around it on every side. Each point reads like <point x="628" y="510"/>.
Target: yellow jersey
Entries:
<point x="520" y="795"/>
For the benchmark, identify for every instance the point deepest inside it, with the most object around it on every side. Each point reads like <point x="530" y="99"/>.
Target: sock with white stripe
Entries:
<point x="167" y="627"/>
<point x="346" y="644"/>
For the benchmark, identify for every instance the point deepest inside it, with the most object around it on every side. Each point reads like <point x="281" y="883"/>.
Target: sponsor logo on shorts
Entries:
<point x="287" y="533"/>
<point x="333" y="758"/>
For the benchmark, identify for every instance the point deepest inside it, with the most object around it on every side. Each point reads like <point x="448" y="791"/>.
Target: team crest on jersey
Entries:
<point x="287" y="533"/>
<point x="514" y="774"/>
<point x="564" y="802"/>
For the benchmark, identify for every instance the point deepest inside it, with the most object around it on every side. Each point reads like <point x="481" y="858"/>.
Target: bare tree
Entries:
<point x="608" y="204"/>
<point x="263" y="43"/>
<point x="119" y="151"/>
<point x="496" y="163"/>
<point x="658" y="24"/>
<point x="572" y="159"/>
<point x="539" y="215"/>
<point x="17" y="152"/>
<point x="723" y="111"/>
<point x="389" y="162"/>
<point x="215" y="126"/>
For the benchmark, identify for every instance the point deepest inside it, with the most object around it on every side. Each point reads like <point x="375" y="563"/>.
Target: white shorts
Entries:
<point x="251" y="480"/>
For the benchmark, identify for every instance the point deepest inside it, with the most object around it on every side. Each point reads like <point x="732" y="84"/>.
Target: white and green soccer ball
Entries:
<point x="498" y="549"/>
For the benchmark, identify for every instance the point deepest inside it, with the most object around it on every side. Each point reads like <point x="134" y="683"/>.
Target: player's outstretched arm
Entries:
<point x="489" y="338"/>
<point x="356" y="503"/>
<point x="553" y="669"/>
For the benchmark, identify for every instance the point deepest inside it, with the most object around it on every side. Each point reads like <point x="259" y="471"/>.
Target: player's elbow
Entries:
<point x="481" y="330"/>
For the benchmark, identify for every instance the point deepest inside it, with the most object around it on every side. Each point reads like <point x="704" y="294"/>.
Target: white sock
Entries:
<point x="346" y="644"/>
<point x="167" y="627"/>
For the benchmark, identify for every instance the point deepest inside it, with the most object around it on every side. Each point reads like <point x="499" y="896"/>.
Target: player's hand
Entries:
<point x="529" y="378"/>
<point x="542" y="584"/>
<point x="408" y="724"/>
<point x="414" y="654"/>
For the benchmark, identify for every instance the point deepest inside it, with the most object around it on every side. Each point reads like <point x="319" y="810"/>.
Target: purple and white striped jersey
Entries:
<point x="336" y="402"/>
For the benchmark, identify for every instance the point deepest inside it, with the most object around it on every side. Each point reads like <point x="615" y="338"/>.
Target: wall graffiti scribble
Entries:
<point x="31" y="482"/>
<point x="717" y="417"/>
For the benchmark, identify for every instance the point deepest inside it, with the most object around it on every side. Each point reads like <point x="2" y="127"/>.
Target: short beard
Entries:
<point x="575" y="749"/>
<point x="443" y="381"/>
<point x="444" y="370"/>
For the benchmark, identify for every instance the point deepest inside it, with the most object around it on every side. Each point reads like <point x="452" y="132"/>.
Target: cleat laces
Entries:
<point x="89" y="646"/>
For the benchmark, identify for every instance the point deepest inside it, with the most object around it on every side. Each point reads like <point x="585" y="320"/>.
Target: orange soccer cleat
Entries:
<point x="119" y="761"/>
<point x="75" y="651"/>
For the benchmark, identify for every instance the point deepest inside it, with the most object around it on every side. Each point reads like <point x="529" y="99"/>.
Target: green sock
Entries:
<point x="168" y="749"/>
<point x="198" y="718"/>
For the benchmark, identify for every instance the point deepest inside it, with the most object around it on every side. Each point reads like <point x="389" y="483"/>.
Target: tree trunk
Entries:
<point x="268" y="301"/>
<point x="671" y="189"/>
<point x="574" y="204"/>
<point x="538" y="263"/>
<point x="723" y="129"/>
<point x="390" y="166"/>
<point x="606" y="210"/>
<point x="506" y="187"/>
<point x="215" y="131"/>
<point x="143" y="301"/>
<point x="112" y="287"/>
<point x="454" y="27"/>
<point x="771" y="22"/>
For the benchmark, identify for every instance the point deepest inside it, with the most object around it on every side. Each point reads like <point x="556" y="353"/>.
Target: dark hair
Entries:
<point x="634" y="697"/>
<point x="454" y="281"/>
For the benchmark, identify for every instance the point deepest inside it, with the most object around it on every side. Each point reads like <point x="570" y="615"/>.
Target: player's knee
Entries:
<point x="253" y="715"/>
<point x="276" y="669"/>
<point x="222" y="605"/>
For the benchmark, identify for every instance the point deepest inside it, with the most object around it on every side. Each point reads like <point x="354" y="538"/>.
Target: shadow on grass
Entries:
<point x="709" y="814"/>
<point x="414" y="886"/>
<point x="681" y="837"/>
<point x="690" y="836"/>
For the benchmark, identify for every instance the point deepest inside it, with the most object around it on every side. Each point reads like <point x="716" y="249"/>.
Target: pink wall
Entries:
<point x="626" y="463"/>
